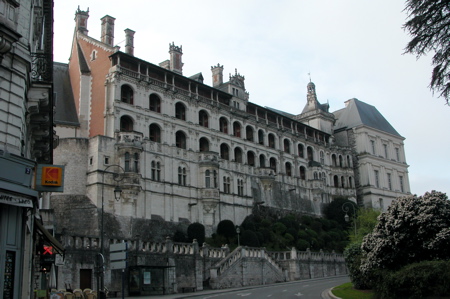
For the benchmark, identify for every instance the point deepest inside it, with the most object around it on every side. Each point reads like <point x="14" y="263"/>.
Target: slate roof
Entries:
<point x="358" y="113"/>
<point x="65" y="112"/>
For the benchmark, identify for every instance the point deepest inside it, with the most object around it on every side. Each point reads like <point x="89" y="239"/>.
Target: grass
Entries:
<point x="346" y="291"/>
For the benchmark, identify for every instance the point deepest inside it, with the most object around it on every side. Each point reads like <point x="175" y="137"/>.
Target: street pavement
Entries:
<point x="324" y="294"/>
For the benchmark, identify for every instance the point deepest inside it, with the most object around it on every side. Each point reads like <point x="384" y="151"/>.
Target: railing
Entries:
<point x="41" y="67"/>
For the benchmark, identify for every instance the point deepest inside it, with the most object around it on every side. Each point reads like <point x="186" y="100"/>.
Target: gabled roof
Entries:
<point x="65" y="111"/>
<point x="358" y="113"/>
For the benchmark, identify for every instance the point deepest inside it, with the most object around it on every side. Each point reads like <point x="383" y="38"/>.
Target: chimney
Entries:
<point x="81" y="18"/>
<point x="217" y="75"/>
<point x="176" y="65"/>
<point x="107" y="35"/>
<point x="129" y="41"/>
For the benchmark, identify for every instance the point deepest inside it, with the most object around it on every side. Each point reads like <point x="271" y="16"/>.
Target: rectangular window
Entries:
<point x="377" y="180"/>
<point x="389" y="181"/>
<point x="401" y="184"/>
<point x="386" y="151"/>
<point x="397" y="153"/>
<point x="106" y="160"/>
<point x="372" y="142"/>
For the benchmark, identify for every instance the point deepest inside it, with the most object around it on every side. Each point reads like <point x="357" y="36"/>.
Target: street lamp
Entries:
<point x="117" y="193"/>
<point x="238" y="231"/>
<point x="346" y="208"/>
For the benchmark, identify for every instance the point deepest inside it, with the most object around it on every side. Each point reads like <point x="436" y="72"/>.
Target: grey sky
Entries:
<point x="352" y="48"/>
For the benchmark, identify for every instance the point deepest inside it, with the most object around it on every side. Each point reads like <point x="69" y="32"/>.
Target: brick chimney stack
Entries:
<point x="217" y="75"/>
<point x="129" y="41"/>
<point x="176" y="65"/>
<point x="81" y="18"/>
<point x="107" y="35"/>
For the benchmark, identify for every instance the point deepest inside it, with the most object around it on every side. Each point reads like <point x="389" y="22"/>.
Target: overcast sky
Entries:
<point x="351" y="48"/>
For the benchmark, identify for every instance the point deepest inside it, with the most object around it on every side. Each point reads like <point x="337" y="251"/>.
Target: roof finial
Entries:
<point x="309" y="74"/>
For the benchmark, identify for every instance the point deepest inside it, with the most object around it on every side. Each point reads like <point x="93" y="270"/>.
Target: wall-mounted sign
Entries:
<point x="50" y="178"/>
<point x="14" y="200"/>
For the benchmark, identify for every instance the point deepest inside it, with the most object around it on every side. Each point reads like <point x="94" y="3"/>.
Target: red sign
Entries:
<point x="47" y="250"/>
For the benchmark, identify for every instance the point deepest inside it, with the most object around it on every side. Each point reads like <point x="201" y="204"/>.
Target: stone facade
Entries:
<point x="181" y="151"/>
<point x="26" y="138"/>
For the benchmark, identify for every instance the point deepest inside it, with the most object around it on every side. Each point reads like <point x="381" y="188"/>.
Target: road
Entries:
<point x="302" y="289"/>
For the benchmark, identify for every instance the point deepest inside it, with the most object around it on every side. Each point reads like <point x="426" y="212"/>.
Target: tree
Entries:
<point x="334" y="211"/>
<point x="413" y="229"/>
<point x="365" y="223"/>
<point x="227" y="229"/>
<point x="196" y="231"/>
<point x="429" y="25"/>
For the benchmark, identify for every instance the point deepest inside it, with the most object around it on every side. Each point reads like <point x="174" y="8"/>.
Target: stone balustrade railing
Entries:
<point x="93" y="243"/>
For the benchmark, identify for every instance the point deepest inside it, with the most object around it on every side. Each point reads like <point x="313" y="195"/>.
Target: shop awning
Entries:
<point x="49" y="238"/>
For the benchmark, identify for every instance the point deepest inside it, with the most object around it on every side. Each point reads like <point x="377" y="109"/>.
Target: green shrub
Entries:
<point x="352" y="255"/>
<point x="418" y="280"/>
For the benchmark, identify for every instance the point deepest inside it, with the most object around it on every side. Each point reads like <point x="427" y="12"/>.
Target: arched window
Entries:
<point x="126" y="94"/>
<point x="126" y="124"/>
<point x="180" y="140"/>
<point x="223" y="125"/>
<point x="273" y="164"/>
<point x="261" y="137"/>
<point x="238" y="155"/>
<point x="204" y="144"/>
<point x="342" y="182"/>
<point x="288" y="169"/>
<point x="322" y="158"/>
<point x="156" y="171"/>
<point x="287" y="146"/>
<point x="350" y="182"/>
<point x="237" y="129"/>
<point x="207" y="179"/>
<point x="182" y="176"/>
<point x="310" y="153"/>
<point x="333" y="160"/>
<point x="250" y="158"/>
<point x="249" y="133"/>
<point x="302" y="173"/>
<point x="301" y="153"/>
<point x="271" y="140"/>
<point x="262" y="161"/>
<point x="155" y="133"/>
<point x="203" y="118"/>
<point x="340" y="161"/>
<point x="315" y="175"/>
<point x="324" y="178"/>
<point x="155" y="103"/>
<point x="180" y="111"/>
<point x="349" y="161"/>
<point x="224" y="151"/>
<point x="336" y="181"/>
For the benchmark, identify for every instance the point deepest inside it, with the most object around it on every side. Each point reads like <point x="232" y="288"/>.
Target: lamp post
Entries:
<point x="117" y="192"/>
<point x="238" y="231"/>
<point x="346" y="208"/>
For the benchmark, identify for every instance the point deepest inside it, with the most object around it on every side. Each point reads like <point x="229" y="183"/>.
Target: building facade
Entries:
<point x="183" y="151"/>
<point x="26" y="139"/>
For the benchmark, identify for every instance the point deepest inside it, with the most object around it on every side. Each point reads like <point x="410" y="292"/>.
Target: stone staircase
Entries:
<point x="246" y="266"/>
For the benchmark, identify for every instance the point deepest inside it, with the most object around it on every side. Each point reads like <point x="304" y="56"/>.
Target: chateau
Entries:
<point x="181" y="151"/>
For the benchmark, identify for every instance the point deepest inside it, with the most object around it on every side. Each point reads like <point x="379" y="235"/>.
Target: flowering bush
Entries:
<point x="413" y="229"/>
